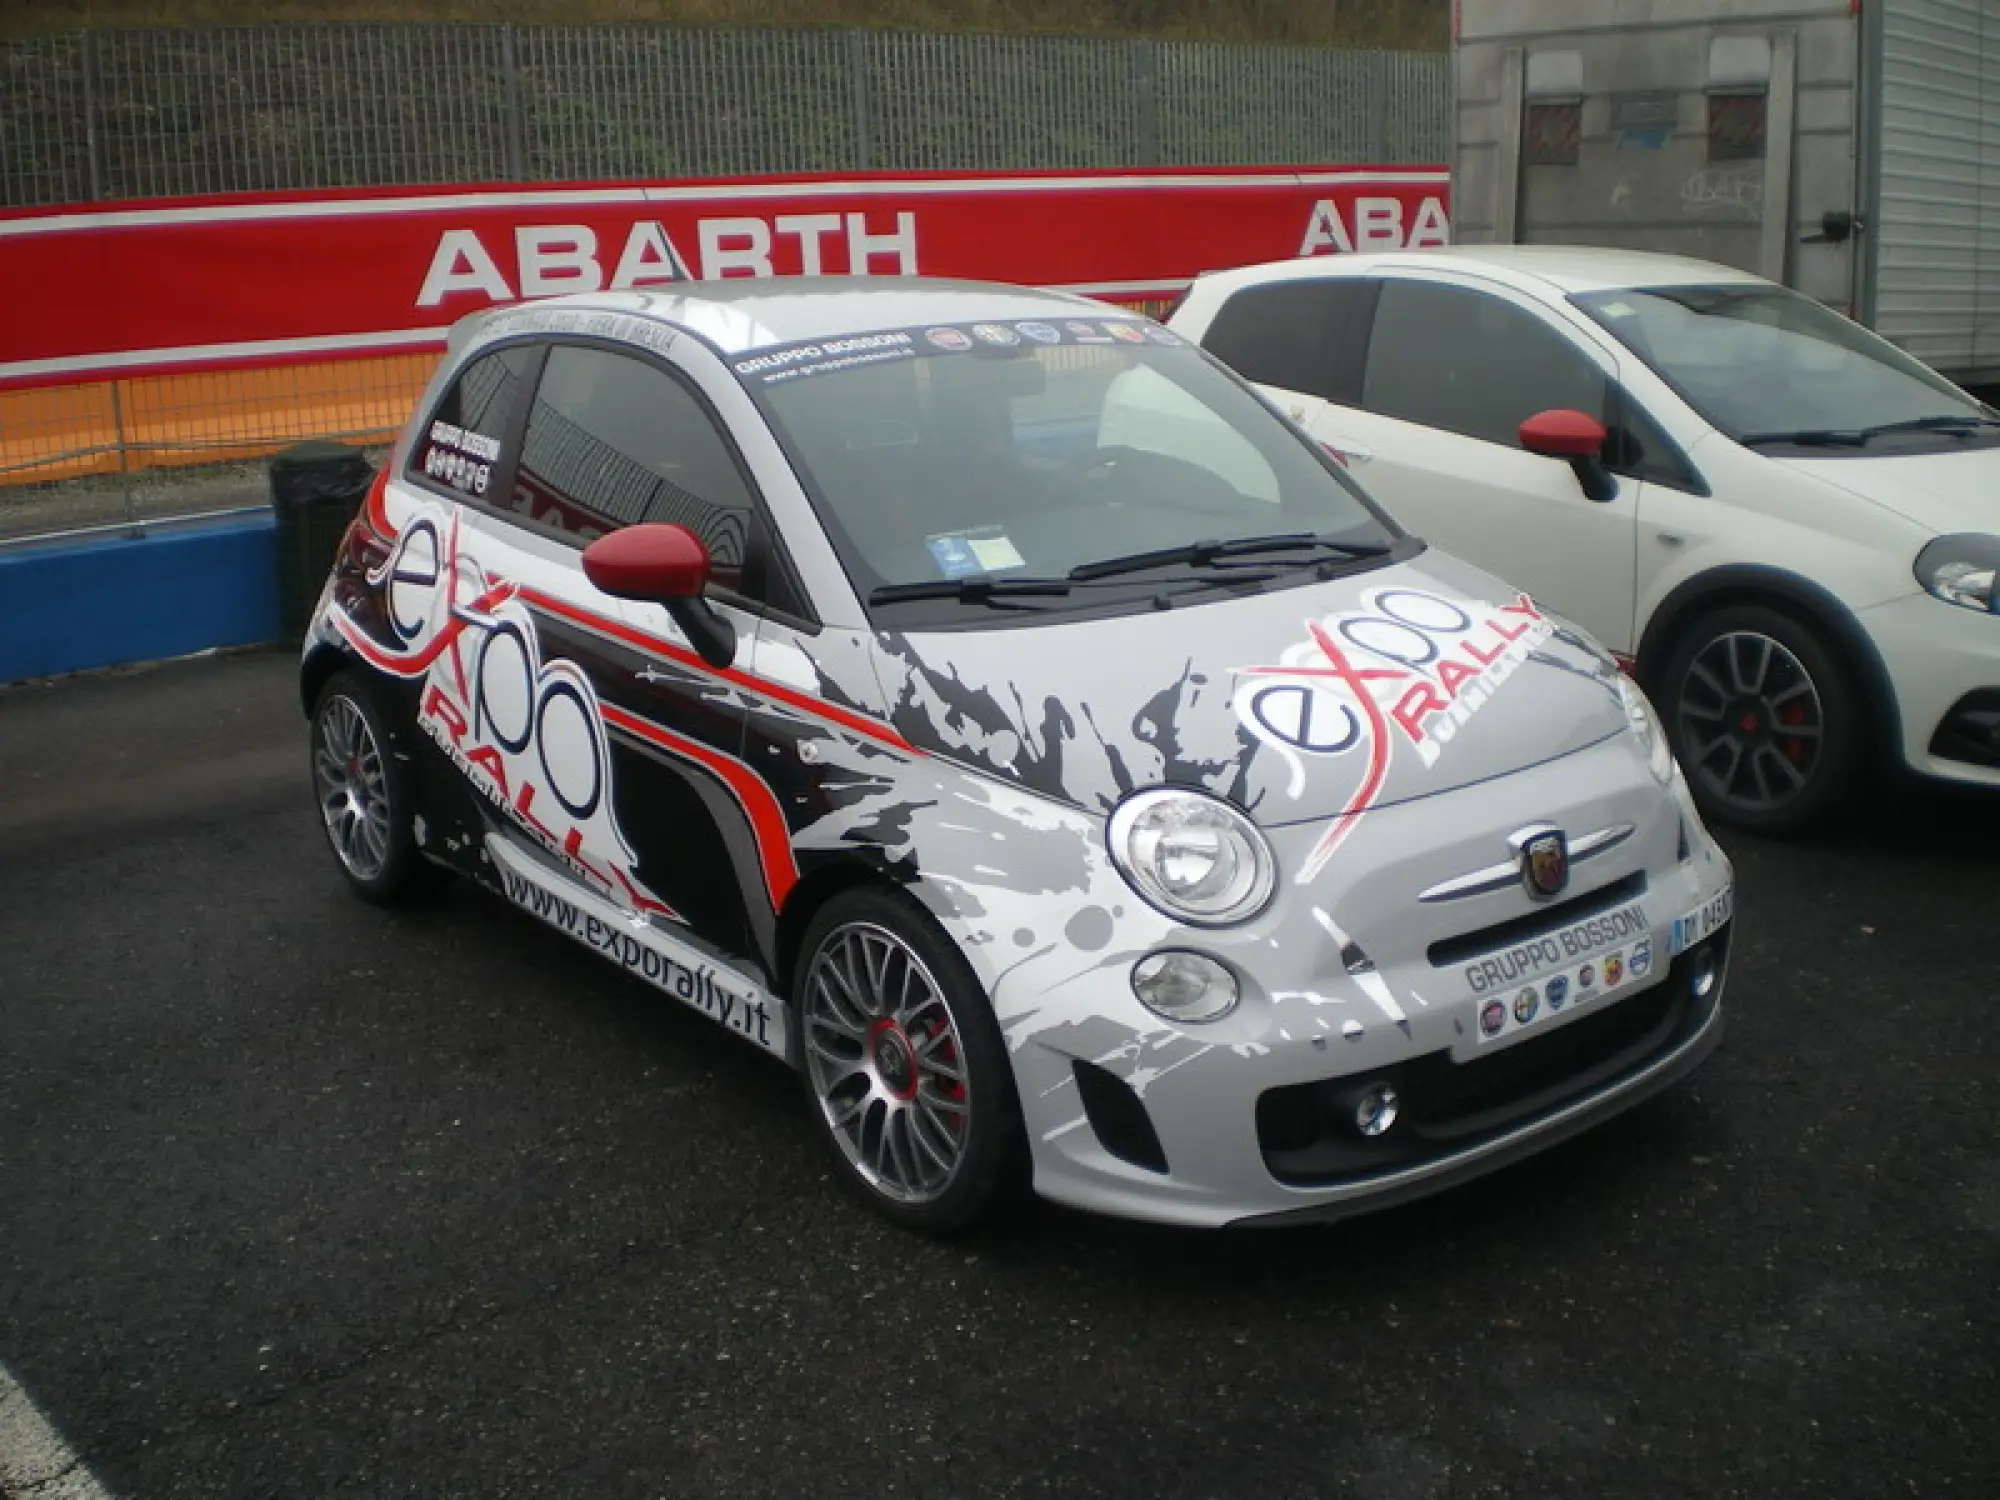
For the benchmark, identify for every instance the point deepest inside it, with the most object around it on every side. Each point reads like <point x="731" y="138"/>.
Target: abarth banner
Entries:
<point x="254" y="280"/>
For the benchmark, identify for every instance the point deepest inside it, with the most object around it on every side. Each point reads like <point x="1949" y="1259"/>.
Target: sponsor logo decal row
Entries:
<point x="1577" y="985"/>
<point x="824" y="356"/>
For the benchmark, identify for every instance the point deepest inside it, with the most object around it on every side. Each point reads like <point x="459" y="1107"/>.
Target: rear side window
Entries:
<point x="1473" y="364"/>
<point x="614" y="441"/>
<point x="460" y="449"/>
<point x="1304" y="336"/>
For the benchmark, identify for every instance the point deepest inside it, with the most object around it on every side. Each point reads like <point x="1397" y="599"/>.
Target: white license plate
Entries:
<point x="1704" y="921"/>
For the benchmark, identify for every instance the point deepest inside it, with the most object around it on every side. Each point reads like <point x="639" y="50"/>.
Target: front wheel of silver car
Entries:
<point x="908" y="1075"/>
<point x="363" y="791"/>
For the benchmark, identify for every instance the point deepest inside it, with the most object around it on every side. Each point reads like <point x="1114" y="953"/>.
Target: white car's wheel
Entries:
<point x="905" y="1065"/>
<point x="1765" y="719"/>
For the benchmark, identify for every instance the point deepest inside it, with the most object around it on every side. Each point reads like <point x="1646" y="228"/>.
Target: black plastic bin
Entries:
<point x="316" y="490"/>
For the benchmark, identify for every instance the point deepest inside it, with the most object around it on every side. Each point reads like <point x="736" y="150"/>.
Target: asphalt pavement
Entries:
<point x="301" y="1198"/>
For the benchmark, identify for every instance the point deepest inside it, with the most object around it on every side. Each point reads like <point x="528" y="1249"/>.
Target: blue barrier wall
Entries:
<point x="67" y="606"/>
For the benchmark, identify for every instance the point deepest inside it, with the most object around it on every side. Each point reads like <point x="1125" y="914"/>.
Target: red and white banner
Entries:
<point x="144" y="288"/>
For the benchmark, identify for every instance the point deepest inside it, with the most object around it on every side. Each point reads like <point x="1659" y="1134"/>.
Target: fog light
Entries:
<point x="1702" y="980"/>
<point x="1184" y="986"/>
<point x="1376" y="1110"/>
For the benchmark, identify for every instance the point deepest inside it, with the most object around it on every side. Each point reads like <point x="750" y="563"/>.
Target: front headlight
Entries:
<point x="1195" y="857"/>
<point x="1964" y="570"/>
<point x="1646" y="727"/>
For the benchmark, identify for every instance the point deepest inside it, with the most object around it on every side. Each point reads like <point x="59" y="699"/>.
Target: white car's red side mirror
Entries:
<point x="1577" y="438"/>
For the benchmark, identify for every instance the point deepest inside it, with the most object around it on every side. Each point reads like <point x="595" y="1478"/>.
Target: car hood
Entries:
<point x="1943" y="492"/>
<point x="1302" y="704"/>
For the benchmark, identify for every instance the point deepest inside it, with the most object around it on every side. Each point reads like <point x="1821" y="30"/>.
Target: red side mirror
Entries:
<point x="651" y="563"/>
<point x="1563" y="434"/>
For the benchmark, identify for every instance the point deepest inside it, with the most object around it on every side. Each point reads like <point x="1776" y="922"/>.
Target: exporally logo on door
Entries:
<point x="528" y="733"/>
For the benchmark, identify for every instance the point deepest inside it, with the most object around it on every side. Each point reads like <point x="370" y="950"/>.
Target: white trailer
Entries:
<point x="1848" y="148"/>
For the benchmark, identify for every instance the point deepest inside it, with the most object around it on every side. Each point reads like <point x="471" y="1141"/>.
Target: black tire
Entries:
<point x="855" y="1055"/>
<point x="358" y="751"/>
<point x="1766" y="718"/>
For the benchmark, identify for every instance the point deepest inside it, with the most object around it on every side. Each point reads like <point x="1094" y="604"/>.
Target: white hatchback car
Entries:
<point x="1788" y="527"/>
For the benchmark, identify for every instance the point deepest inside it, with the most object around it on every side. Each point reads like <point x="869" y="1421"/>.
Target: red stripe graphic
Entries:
<point x="819" y="708"/>
<point x="759" y="803"/>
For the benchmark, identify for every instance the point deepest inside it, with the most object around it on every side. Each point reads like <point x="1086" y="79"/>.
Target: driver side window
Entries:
<point x="1473" y="364"/>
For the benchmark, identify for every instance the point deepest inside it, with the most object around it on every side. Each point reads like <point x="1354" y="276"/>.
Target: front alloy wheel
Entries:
<point x="904" y="1063"/>
<point x="1764" y="720"/>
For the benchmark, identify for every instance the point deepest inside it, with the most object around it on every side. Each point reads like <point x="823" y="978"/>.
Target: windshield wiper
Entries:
<point x="1859" y="437"/>
<point x="979" y="588"/>
<point x="1208" y="554"/>
<point x="1945" y="422"/>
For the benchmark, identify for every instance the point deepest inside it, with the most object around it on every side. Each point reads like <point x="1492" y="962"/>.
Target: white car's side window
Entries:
<point x="1471" y="363"/>
<point x="1147" y="411"/>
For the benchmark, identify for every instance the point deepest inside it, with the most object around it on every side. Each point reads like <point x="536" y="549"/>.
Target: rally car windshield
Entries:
<point x="1050" y="466"/>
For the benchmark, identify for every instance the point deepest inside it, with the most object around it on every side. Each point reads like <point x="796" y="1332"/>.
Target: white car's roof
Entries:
<point x="1567" y="268"/>
<point x="746" y="313"/>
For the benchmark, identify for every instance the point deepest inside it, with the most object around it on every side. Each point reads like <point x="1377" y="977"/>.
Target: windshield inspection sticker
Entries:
<point x="1409" y="667"/>
<point x="961" y="554"/>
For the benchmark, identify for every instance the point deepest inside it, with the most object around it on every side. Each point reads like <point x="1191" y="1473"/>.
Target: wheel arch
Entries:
<point x="321" y="662"/>
<point x="1790" y="593"/>
<point x="845" y="873"/>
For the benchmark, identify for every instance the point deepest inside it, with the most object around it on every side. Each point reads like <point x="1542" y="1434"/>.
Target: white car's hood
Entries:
<point x="1943" y="492"/>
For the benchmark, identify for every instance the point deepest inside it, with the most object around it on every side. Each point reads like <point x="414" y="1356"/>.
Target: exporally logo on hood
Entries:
<point x="1408" y="667"/>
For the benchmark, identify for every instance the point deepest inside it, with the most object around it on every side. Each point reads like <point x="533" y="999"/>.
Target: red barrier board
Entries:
<point x="145" y="288"/>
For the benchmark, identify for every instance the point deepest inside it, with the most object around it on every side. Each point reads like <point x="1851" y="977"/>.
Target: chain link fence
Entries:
<point x="100" y="115"/>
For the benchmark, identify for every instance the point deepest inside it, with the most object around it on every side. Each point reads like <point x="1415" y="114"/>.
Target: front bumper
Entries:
<point x="1240" y="1119"/>
<point x="1944" y="664"/>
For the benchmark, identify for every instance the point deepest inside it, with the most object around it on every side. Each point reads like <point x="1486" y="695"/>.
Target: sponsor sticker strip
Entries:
<point x="670" y="965"/>
<point x="775" y="366"/>
<point x="1539" y="1003"/>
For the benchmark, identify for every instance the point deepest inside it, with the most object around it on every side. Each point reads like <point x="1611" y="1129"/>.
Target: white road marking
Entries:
<point x="35" y="1462"/>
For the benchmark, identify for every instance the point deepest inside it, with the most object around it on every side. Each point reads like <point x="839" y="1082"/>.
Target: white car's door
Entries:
<point x="1454" y="366"/>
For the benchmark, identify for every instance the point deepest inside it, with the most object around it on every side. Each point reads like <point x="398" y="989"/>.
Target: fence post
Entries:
<point x="516" y="124"/>
<point x="93" y="146"/>
<point x="1145" y="94"/>
<point x="1379" y="64"/>
<point x="857" y="85"/>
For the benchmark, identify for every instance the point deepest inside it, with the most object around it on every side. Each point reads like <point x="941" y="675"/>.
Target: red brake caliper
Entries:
<point x="1795" y="747"/>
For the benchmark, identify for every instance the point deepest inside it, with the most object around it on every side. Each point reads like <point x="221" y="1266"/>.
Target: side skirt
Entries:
<point x="670" y="963"/>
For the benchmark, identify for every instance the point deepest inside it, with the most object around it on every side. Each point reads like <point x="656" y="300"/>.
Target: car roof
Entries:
<point x="746" y="313"/>
<point x="1565" y="268"/>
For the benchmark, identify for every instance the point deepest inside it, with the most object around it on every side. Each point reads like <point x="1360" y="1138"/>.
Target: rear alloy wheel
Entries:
<point x="364" y="796"/>
<point x="905" y="1065"/>
<point x="1765" y="720"/>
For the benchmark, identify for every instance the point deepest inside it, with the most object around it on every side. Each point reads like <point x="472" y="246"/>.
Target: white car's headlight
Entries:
<point x="1195" y="857"/>
<point x="1963" y="569"/>
<point x="1646" y="727"/>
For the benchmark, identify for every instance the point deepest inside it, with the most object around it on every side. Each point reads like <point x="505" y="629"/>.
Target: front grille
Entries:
<point x="1537" y="923"/>
<point x="1306" y="1132"/>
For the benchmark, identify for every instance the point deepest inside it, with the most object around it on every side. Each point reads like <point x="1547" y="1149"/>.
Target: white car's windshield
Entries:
<point x="1765" y="364"/>
<point x="1011" y="454"/>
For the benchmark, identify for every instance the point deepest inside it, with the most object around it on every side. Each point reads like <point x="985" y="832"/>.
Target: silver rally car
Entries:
<point x="982" y="701"/>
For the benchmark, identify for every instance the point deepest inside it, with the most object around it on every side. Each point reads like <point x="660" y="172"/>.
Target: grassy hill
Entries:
<point x="1344" y="23"/>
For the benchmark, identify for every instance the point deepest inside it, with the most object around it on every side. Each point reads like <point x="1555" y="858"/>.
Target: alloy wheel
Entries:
<point x="1752" y="723"/>
<point x="885" y="1063"/>
<point x="353" y="788"/>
